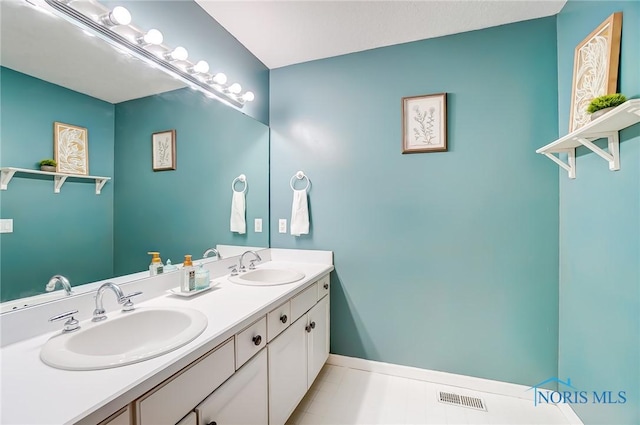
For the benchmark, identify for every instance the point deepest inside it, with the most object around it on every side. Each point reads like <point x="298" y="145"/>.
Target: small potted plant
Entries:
<point x="48" y="165"/>
<point x="603" y="104"/>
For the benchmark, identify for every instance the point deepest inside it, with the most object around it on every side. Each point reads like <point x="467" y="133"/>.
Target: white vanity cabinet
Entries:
<point x="241" y="400"/>
<point x="297" y="354"/>
<point x="257" y="376"/>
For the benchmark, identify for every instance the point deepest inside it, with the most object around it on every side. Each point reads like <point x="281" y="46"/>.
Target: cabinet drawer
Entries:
<point x="323" y="287"/>
<point x="250" y="341"/>
<point x="278" y="320"/>
<point x="172" y="400"/>
<point x="302" y="302"/>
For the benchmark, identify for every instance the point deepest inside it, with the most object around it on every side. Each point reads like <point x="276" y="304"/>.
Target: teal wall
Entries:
<point x="447" y="261"/>
<point x="70" y="232"/>
<point x="187" y="210"/>
<point x="185" y="23"/>
<point x="599" y="347"/>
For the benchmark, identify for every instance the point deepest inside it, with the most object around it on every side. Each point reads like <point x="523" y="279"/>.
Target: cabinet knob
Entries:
<point x="326" y="286"/>
<point x="257" y="340"/>
<point x="308" y="328"/>
<point x="313" y="325"/>
<point x="283" y="318"/>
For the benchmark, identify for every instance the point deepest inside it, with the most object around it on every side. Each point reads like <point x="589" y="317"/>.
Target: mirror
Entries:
<point x="53" y="72"/>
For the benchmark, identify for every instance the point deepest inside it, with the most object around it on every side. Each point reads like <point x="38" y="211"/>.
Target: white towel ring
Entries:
<point x="299" y="175"/>
<point x="241" y="178"/>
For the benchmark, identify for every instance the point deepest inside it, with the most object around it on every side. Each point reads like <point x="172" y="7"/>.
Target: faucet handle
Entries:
<point x="252" y="264"/>
<point x="128" y="304"/>
<point x="71" y="324"/>
<point x="234" y="270"/>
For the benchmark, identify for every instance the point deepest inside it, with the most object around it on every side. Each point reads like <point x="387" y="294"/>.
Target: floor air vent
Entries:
<point x="461" y="400"/>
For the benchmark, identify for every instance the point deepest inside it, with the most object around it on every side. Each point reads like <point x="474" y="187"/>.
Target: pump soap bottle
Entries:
<point x="188" y="276"/>
<point x="156" y="266"/>
<point x="202" y="278"/>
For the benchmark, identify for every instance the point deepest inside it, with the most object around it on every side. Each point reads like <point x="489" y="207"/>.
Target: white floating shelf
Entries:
<point x="58" y="178"/>
<point x="607" y="126"/>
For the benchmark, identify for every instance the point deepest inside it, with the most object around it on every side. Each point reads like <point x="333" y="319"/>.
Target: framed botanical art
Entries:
<point x="71" y="148"/>
<point x="163" y="150"/>
<point x="595" y="68"/>
<point x="424" y="123"/>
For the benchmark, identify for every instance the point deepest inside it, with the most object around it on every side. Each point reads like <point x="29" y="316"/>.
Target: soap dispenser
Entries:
<point x="202" y="278"/>
<point x="156" y="267"/>
<point x="188" y="275"/>
<point x="169" y="267"/>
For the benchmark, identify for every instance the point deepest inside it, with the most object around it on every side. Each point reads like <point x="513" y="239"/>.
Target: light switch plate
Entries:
<point x="6" y="225"/>
<point x="257" y="225"/>
<point x="282" y="225"/>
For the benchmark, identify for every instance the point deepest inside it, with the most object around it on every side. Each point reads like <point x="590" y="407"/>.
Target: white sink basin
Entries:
<point x="267" y="277"/>
<point x="124" y="338"/>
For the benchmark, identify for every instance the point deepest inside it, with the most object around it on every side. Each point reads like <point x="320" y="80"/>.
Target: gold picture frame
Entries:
<point x="595" y="68"/>
<point x="71" y="149"/>
<point x="163" y="150"/>
<point x="424" y="123"/>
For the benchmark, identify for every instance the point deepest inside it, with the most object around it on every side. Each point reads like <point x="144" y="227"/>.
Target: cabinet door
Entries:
<point x="317" y="338"/>
<point x="242" y="399"/>
<point x="287" y="372"/>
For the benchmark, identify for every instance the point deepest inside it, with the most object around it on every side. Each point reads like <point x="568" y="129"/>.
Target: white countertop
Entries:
<point x="34" y="393"/>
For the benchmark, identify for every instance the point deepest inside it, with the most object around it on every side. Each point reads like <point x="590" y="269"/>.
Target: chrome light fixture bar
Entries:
<point x="106" y="26"/>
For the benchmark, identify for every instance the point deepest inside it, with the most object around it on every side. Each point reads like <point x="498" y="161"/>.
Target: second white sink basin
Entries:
<point x="124" y="338"/>
<point x="267" y="277"/>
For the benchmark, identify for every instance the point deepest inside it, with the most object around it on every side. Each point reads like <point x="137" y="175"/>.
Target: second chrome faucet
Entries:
<point x="99" y="313"/>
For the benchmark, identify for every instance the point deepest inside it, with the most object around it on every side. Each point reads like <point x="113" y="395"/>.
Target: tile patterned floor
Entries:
<point x="341" y="395"/>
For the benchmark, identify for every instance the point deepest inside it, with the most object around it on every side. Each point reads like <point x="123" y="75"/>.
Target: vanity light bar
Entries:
<point x="195" y="75"/>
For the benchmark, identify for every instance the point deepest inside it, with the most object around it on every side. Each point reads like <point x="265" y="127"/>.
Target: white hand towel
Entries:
<point x="238" y="222"/>
<point x="299" y="213"/>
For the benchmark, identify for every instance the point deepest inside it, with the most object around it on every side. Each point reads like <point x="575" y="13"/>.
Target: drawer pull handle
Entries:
<point x="283" y="318"/>
<point x="257" y="340"/>
<point x="326" y="286"/>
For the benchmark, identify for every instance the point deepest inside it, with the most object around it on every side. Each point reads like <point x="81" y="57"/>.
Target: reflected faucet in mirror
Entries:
<point x="211" y="251"/>
<point x="252" y="266"/>
<point x="64" y="282"/>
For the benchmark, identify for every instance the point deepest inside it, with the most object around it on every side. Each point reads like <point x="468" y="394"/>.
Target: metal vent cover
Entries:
<point x="461" y="400"/>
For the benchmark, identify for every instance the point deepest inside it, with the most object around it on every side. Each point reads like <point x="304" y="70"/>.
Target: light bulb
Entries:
<point x="202" y="67"/>
<point x="235" y="88"/>
<point x="118" y="16"/>
<point x="248" y="96"/>
<point x="152" y="36"/>
<point x="178" y="54"/>
<point x="220" y="78"/>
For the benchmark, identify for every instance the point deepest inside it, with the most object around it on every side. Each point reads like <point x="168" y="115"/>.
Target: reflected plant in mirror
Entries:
<point x="58" y="73"/>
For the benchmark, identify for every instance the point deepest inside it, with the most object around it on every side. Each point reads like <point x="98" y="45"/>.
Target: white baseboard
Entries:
<point x="449" y="379"/>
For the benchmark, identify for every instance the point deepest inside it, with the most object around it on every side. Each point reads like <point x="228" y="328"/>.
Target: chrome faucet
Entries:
<point x="211" y="251"/>
<point x="251" y="266"/>
<point x="99" y="312"/>
<point x="64" y="282"/>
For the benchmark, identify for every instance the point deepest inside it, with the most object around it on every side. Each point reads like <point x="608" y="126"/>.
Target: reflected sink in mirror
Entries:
<point x="267" y="277"/>
<point x="124" y="338"/>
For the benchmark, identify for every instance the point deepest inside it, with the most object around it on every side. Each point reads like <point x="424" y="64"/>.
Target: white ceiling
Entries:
<point x="282" y="33"/>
